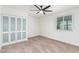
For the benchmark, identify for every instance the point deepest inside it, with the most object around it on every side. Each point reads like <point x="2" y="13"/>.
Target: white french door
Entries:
<point x="13" y="29"/>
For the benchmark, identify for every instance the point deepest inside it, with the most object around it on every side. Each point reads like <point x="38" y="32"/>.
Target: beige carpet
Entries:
<point x="40" y="44"/>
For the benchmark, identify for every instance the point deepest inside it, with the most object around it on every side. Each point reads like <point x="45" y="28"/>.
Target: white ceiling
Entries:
<point x="27" y="8"/>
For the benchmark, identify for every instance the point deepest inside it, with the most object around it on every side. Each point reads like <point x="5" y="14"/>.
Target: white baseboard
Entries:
<point x="33" y="36"/>
<point x="64" y="41"/>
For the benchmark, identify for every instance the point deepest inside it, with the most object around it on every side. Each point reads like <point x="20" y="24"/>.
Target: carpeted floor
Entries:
<point x="40" y="44"/>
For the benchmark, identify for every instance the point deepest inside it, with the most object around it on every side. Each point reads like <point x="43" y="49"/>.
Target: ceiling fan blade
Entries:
<point x="37" y="12"/>
<point x="41" y="6"/>
<point x="34" y="10"/>
<point x="46" y="7"/>
<point x="37" y="7"/>
<point x="43" y="12"/>
<point x="48" y="10"/>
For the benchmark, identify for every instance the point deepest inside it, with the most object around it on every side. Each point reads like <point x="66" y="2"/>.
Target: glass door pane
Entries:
<point x="12" y="23"/>
<point x="5" y="38"/>
<point x="13" y="37"/>
<point x="24" y="35"/>
<point x="24" y="24"/>
<point x="19" y="24"/>
<point x="5" y="24"/>
<point x="19" y="36"/>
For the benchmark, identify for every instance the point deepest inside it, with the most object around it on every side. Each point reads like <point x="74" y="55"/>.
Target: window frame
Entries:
<point x="66" y="23"/>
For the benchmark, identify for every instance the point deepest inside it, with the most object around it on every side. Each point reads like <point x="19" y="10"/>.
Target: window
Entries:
<point x="60" y="23"/>
<point x="64" y="23"/>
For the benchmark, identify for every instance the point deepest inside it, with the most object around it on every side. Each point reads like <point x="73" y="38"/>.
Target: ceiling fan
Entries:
<point x="42" y="9"/>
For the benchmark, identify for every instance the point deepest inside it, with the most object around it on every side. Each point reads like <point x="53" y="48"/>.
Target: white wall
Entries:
<point x="33" y="26"/>
<point x="48" y="27"/>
